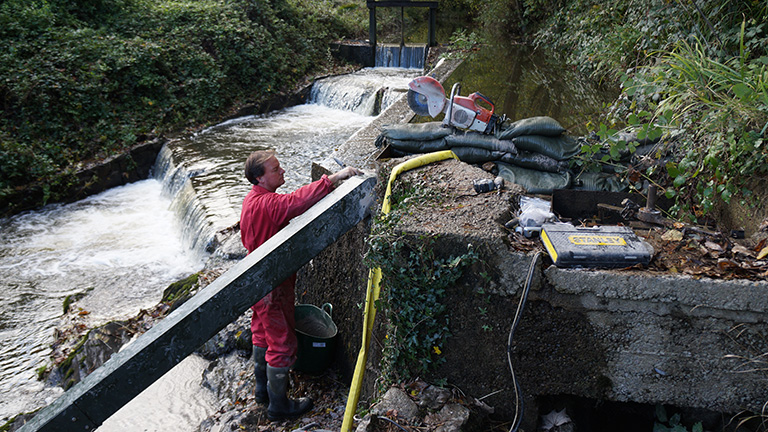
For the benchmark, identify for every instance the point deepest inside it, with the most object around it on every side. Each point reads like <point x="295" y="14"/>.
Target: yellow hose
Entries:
<point x="372" y="293"/>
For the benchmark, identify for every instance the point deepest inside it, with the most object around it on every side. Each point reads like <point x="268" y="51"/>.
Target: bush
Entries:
<point x="605" y="38"/>
<point x="718" y="109"/>
<point x="85" y="79"/>
<point x="693" y="74"/>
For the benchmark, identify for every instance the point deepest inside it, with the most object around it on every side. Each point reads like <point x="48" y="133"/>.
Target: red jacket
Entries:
<point x="265" y="213"/>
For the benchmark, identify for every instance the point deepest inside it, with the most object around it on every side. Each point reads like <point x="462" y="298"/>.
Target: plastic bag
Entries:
<point x="534" y="212"/>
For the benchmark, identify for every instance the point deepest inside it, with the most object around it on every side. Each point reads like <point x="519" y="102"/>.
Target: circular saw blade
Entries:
<point x="418" y="103"/>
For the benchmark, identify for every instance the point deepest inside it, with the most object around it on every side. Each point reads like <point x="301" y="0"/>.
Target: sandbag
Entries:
<point x="416" y="131"/>
<point x="477" y="139"/>
<point x="600" y="182"/>
<point x="395" y="153"/>
<point x="559" y="148"/>
<point x="535" y="182"/>
<point x="475" y="155"/>
<point x="536" y="161"/>
<point x="414" y="146"/>
<point x="541" y="125"/>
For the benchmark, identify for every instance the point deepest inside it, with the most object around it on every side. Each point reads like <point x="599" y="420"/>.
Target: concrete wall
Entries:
<point x="672" y="339"/>
<point x="624" y="336"/>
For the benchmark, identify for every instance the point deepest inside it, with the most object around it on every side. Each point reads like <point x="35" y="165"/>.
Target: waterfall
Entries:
<point x="203" y="173"/>
<point x="176" y="181"/>
<point x="411" y="57"/>
<point x="367" y="92"/>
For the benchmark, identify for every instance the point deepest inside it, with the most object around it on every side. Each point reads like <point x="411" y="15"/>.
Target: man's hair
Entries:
<point x="254" y="166"/>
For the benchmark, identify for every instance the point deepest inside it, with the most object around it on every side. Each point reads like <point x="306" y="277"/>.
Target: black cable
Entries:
<point x="523" y="297"/>
<point x="393" y="422"/>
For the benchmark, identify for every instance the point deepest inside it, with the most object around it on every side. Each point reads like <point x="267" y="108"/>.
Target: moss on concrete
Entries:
<point x="181" y="290"/>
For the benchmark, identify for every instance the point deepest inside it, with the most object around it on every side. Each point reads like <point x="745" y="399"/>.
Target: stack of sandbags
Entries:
<point x="532" y="152"/>
<point x="538" y="138"/>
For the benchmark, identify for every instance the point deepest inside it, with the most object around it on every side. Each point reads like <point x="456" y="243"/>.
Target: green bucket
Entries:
<point x="316" y="336"/>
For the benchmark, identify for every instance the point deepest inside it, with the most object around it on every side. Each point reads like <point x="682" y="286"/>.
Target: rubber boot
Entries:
<point x="280" y="406"/>
<point x="260" y="370"/>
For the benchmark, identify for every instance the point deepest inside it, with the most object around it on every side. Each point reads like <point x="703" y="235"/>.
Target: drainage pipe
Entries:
<point x="372" y="293"/>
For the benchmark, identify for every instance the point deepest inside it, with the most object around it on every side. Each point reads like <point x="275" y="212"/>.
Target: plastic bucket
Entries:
<point x="316" y="336"/>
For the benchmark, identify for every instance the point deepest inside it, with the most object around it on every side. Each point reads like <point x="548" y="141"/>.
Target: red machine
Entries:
<point x="426" y="96"/>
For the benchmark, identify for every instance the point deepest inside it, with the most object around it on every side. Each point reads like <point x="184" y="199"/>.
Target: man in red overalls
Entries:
<point x="265" y="213"/>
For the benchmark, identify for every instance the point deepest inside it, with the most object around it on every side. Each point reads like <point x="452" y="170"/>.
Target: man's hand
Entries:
<point x="344" y="174"/>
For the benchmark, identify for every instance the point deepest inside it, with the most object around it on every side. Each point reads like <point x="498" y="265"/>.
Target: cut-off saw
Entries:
<point x="426" y="97"/>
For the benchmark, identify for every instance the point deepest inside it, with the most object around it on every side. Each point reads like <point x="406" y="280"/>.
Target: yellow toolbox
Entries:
<point x="599" y="246"/>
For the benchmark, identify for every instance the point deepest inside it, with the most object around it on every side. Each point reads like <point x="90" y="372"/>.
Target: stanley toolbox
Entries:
<point x="603" y="246"/>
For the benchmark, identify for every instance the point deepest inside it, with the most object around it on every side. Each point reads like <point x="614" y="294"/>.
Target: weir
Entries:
<point x="403" y="52"/>
<point x="115" y="252"/>
<point x="401" y="56"/>
<point x="89" y="403"/>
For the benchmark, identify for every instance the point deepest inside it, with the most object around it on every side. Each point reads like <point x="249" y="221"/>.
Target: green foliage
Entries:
<point x="500" y="16"/>
<point x="717" y="110"/>
<point x="604" y="38"/>
<point x="693" y="75"/>
<point x="181" y="289"/>
<point x="84" y="79"/>
<point x="672" y="424"/>
<point x="413" y="286"/>
<point x="462" y="44"/>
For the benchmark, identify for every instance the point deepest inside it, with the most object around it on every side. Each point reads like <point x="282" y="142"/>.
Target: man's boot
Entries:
<point x="260" y="370"/>
<point x="280" y="406"/>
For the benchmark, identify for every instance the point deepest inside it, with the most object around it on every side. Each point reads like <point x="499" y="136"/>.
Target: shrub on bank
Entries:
<point x="693" y="74"/>
<point x="83" y="79"/>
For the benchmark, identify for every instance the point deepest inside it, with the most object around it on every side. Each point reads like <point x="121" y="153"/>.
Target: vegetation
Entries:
<point x="718" y="113"/>
<point x="666" y="423"/>
<point x="694" y="75"/>
<point x="413" y="286"/>
<point x="83" y="79"/>
<point x="181" y="289"/>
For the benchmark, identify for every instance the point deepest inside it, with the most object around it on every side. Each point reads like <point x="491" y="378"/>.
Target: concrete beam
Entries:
<point x="89" y="403"/>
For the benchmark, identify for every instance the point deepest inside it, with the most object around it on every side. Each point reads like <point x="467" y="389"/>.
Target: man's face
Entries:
<point x="273" y="175"/>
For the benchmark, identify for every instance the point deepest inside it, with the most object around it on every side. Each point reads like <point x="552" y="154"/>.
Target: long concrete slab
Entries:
<point x="89" y="403"/>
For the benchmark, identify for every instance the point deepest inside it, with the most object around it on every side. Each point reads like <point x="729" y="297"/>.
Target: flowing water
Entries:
<point x="118" y="250"/>
<point x="213" y="160"/>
